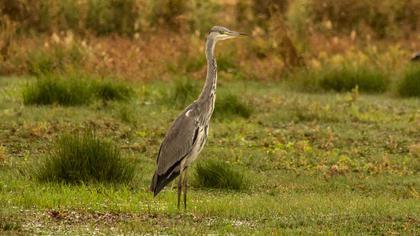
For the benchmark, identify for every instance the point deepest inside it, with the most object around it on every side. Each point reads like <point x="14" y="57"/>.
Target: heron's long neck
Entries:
<point x="209" y="88"/>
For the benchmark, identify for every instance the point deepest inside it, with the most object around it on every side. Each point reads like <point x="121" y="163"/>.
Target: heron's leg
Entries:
<point x="180" y="188"/>
<point x="185" y="183"/>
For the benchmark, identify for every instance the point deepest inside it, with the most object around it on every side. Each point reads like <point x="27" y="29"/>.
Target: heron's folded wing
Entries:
<point x="178" y="142"/>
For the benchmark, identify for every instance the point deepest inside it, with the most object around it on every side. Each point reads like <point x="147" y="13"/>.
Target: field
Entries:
<point x="316" y="128"/>
<point x="329" y="163"/>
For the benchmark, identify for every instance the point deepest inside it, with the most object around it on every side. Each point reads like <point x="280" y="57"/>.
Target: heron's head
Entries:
<point x="222" y="33"/>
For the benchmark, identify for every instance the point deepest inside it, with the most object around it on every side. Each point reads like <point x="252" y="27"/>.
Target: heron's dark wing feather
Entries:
<point x="177" y="144"/>
<point x="178" y="141"/>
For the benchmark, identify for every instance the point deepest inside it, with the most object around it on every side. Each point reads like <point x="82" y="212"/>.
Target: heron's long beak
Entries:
<point x="236" y="34"/>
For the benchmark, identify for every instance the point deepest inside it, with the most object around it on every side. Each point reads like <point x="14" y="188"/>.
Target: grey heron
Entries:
<point x="186" y="137"/>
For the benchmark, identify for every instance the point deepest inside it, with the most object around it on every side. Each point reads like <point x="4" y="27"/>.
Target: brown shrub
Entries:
<point x="386" y="18"/>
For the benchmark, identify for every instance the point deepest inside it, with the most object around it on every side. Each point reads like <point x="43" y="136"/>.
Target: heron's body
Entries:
<point x="187" y="136"/>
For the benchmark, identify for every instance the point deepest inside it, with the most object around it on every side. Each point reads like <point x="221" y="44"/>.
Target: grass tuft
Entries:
<point x="342" y="78"/>
<point x="115" y="91"/>
<point x="49" y="89"/>
<point x="72" y="90"/>
<point x="218" y="174"/>
<point x="410" y="83"/>
<point x="85" y="158"/>
<point x="229" y="106"/>
<point x="345" y="78"/>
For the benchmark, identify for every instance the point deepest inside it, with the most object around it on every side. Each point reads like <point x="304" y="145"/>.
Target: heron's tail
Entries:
<point x="160" y="181"/>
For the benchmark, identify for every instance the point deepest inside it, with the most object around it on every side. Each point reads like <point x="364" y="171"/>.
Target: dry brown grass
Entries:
<point x="281" y="38"/>
<point x="284" y="37"/>
<point x="152" y="55"/>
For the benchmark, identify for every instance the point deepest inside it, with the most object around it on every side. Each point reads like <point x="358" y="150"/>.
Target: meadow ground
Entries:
<point x="328" y="163"/>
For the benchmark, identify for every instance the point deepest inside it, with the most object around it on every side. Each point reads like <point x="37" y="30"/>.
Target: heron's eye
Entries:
<point x="222" y="32"/>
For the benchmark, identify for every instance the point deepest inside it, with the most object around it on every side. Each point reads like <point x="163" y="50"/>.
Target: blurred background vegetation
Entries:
<point x="146" y="39"/>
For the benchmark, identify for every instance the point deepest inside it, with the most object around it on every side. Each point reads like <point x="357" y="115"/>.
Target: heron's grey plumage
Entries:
<point x="186" y="137"/>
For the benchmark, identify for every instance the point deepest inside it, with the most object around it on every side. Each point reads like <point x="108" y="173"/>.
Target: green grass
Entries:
<point x="127" y="114"/>
<point x="218" y="174"/>
<point x="230" y="105"/>
<point x="183" y="92"/>
<point x="84" y="158"/>
<point x="409" y="86"/>
<point x="193" y="64"/>
<point x="318" y="163"/>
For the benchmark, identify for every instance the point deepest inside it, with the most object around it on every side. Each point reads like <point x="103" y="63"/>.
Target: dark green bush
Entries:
<point x="112" y="16"/>
<point x="98" y="16"/>
<point x="218" y="174"/>
<point x="73" y="90"/>
<point x="184" y="15"/>
<point x="386" y="18"/>
<point x="85" y="158"/>
<point x="33" y="15"/>
<point x="345" y="78"/>
<point x="69" y="15"/>
<point x="109" y="90"/>
<point x="49" y="89"/>
<point x="409" y="86"/>
<point x="202" y="15"/>
<point x="264" y="9"/>
<point x="389" y="18"/>
<point x="229" y="106"/>
<point x="166" y="12"/>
